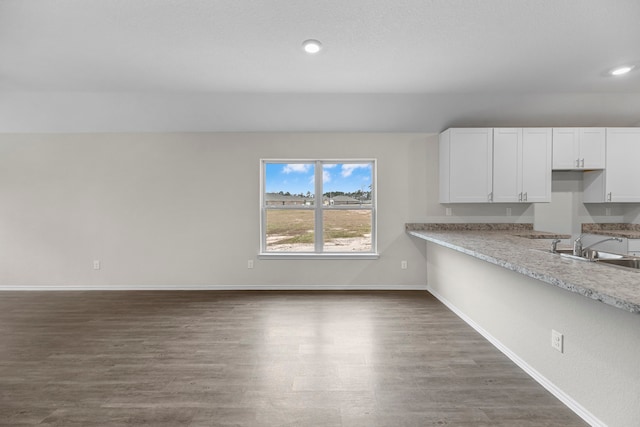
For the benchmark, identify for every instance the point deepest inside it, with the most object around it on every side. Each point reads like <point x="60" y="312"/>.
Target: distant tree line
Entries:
<point x="308" y="195"/>
<point x="358" y="195"/>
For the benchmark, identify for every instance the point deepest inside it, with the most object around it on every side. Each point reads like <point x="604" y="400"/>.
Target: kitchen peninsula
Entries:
<point x="519" y="248"/>
<point x="504" y="281"/>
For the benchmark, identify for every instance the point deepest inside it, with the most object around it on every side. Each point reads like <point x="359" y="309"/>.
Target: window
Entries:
<point x="318" y="207"/>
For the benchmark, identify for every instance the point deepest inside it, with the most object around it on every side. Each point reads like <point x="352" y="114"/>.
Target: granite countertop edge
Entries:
<point x="609" y="285"/>
<point x="515" y="229"/>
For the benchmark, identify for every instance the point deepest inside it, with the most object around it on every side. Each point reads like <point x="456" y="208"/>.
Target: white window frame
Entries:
<point x="318" y="209"/>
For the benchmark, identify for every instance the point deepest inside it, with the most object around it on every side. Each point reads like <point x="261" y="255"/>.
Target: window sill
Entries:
<point x="292" y="255"/>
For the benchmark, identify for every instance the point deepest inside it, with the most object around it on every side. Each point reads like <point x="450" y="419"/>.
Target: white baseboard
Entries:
<point x="174" y="287"/>
<point x="580" y="410"/>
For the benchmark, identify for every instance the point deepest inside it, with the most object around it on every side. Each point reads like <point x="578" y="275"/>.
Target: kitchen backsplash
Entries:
<point x="586" y="228"/>
<point x="468" y="227"/>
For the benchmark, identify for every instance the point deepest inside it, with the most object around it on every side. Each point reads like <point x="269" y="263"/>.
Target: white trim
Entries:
<point x="318" y="212"/>
<point x="580" y="410"/>
<point x="173" y="287"/>
<point x="322" y="255"/>
<point x="318" y="208"/>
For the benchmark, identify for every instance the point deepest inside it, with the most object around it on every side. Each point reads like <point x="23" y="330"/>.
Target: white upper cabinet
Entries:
<point x="592" y="148"/>
<point x="579" y="148"/>
<point x="617" y="183"/>
<point x="521" y="165"/>
<point x="503" y="165"/>
<point x="466" y="165"/>
<point x="536" y="165"/>
<point x="507" y="165"/>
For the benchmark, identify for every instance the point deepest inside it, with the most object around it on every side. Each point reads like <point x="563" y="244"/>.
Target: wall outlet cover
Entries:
<point x="557" y="340"/>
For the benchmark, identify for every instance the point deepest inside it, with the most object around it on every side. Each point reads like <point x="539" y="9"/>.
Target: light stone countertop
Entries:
<point x="532" y="257"/>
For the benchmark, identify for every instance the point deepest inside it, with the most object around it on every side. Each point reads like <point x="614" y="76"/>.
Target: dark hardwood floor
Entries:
<point x="256" y="359"/>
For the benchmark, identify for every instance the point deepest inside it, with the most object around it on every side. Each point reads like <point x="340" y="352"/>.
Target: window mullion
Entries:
<point x="263" y="207"/>
<point x="318" y="232"/>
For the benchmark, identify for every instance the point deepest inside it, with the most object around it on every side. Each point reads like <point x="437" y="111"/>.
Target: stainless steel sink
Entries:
<point x="563" y="251"/>
<point x="591" y="254"/>
<point x="566" y="253"/>
<point x="602" y="257"/>
<point x="622" y="262"/>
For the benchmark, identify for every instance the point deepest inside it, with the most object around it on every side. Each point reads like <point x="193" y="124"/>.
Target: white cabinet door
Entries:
<point x="536" y="165"/>
<point x="579" y="148"/>
<point x="507" y="161"/>
<point x="592" y="148"/>
<point x="623" y="152"/>
<point x="466" y="165"/>
<point x="522" y="165"/>
<point x="617" y="182"/>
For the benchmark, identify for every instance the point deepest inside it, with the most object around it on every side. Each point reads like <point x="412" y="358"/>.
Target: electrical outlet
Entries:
<point x="508" y="211"/>
<point x="607" y="211"/>
<point x="96" y="264"/>
<point x="250" y="263"/>
<point x="557" y="340"/>
<point x="403" y="264"/>
<point x="448" y="212"/>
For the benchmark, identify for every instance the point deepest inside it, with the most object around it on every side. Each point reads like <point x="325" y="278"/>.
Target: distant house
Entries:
<point x="275" y="199"/>
<point x="343" y="200"/>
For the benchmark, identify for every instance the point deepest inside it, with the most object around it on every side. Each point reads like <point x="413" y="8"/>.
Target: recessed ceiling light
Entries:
<point x="621" y="70"/>
<point x="312" y="46"/>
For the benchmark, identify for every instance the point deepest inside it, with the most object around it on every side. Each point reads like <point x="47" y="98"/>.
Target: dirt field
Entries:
<point x="345" y="230"/>
<point x="352" y="244"/>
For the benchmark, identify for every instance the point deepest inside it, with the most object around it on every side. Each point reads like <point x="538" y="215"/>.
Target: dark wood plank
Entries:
<point x="256" y="359"/>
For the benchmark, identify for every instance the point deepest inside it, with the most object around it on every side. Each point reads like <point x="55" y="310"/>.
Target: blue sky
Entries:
<point x="299" y="177"/>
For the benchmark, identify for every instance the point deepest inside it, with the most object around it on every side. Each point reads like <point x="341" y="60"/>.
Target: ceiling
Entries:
<point x="387" y="65"/>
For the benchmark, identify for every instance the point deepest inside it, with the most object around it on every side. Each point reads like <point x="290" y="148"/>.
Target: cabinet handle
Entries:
<point x="525" y="197"/>
<point x="608" y="197"/>
<point x="582" y="163"/>
<point x="490" y="197"/>
<point x="519" y="197"/>
<point x="577" y="163"/>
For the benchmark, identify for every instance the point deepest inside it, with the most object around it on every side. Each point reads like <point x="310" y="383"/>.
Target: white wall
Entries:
<point x="566" y="213"/>
<point x="182" y="210"/>
<point x="599" y="369"/>
<point x="562" y="214"/>
<point x="166" y="210"/>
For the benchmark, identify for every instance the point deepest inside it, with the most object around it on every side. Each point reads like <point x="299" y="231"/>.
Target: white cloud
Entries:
<point x="296" y="167"/>
<point x="326" y="177"/>
<point x="329" y="166"/>
<point x="347" y="169"/>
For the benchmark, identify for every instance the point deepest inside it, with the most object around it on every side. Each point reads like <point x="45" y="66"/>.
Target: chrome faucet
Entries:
<point x="577" y="246"/>
<point x="579" y="250"/>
